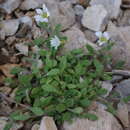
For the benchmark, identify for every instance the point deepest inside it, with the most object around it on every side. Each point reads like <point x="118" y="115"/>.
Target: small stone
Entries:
<point x="10" y="5"/>
<point x="9" y="27"/>
<point x="31" y="4"/>
<point x="123" y="88"/>
<point x="26" y="20"/>
<point x="112" y="6"/>
<point x="79" y="10"/>
<point x="63" y="14"/>
<point x="35" y="127"/>
<point x="22" y="48"/>
<point x="106" y="121"/>
<point x="108" y="86"/>
<point x="47" y="123"/>
<point x="10" y="40"/>
<point x="116" y="78"/>
<point x="122" y="114"/>
<point x="95" y="18"/>
<point x="90" y="35"/>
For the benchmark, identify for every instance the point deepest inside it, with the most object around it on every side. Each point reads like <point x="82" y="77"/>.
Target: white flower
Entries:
<point x="43" y="14"/>
<point x="55" y="42"/>
<point x="103" y="38"/>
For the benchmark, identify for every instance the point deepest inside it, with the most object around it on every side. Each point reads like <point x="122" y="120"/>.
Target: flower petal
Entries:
<point x="55" y="42"/>
<point x="106" y="35"/>
<point x="45" y="10"/>
<point x="39" y="11"/>
<point x="98" y="34"/>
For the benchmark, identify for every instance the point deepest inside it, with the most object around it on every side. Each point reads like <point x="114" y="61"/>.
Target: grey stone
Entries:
<point x="112" y="6"/>
<point x="121" y="39"/>
<point x="9" y="27"/>
<point x="10" y="5"/>
<point x="95" y="18"/>
<point x="79" y="10"/>
<point x="122" y="114"/>
<point x="123" y="88"/>
<point x="116" y="78"/>
<point x="62" y="13"/>
<point x="22" y="48"/>
<point x="26" y="20"/>
<point x="90" y="35"/>
<point x="106" y="121"/>
<point x="76" y="39"/>
<point x="47" y="123"/>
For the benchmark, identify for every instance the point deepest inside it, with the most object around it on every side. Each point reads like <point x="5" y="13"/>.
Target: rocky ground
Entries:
<point x="80" y="19"/>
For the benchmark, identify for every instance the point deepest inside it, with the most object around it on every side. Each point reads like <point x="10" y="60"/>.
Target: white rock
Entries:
<point x="22" y="48"/>
<point x="95" y="18"/>
<point x="31" y="4"/>
<point x="108" y="86"/>
<point x="112" y="6"/>
<point x="47" y="123"/>
<point x="121" y="39"/>
<point x="75" y="39"/>
<point x="79" y="10"/>
<point x="10" y="5"/>
<point x="9" y="27"/>
<point x="26" y="20"/>
<point x="61" y="13"/>
<point x="122" y="114"/>
<point x="106" y="121"/>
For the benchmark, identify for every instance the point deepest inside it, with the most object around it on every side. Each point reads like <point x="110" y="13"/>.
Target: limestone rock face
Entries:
<point x="95" y="18"/>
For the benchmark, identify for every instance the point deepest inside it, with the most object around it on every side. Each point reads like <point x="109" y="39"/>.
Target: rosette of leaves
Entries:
<point x="64" y="88"/>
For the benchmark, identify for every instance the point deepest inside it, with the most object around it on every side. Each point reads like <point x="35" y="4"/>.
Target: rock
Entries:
<point x="124" y="20"/>
<point x="9" y="27"/>
<point x="106" y="121"/>
<point x="122" y="114"/>
<point x="112" y="6"/>
<point x="90" y="35"/>
<point x="121" y="40"/>
<point x="26" y="20"/>
<point x="62" y="13"/>
<point x="123" y="88"/>
<point x="23" y="31"/>
<point x="79" y="10"/>
<point x="95" y="18"/>
<point x="108" y="86"/>
<point x="3" y="122"/>
<point x="10" y="5"/>
<point x="47" y="123"/>
<point x="10" y="40"/>
<point x="76" y="39"/>
<point x="124" y="73"/>
<point x="116" y="78"/>
<point x="73" y="1"/>
<point x="35" y="127"/>
<point x="31" y="4"/>
<point x="22" y="48"/>
<point x="17" y="126"/>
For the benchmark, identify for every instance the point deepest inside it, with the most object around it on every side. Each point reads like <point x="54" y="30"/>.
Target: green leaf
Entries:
<point x="38" y="41"/>
<point x="8" y="126"/>
<point x="16" y="70"/>
<point x="63" y="63"/>
<point x="90" y="116"/>
<point x="37" y="111"/>
<point x="44" y="101"/>
<point x="60" y="108"/>
<point x="90" y="49"/>
<point x="67" y="116"/>
<point x="53" y="72"/>
<point x="99" y="66"/>
<point x="18" y="116"/>
<point x="49" y="88"/>
<point x="85" y="102"/>
<point x="77" y="110"/>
